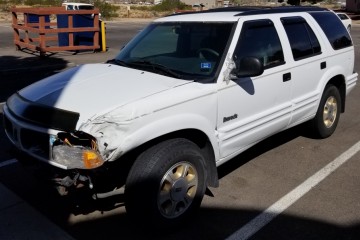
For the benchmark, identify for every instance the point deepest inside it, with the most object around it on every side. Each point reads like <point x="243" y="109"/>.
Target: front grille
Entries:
<point x="35" y="142"/>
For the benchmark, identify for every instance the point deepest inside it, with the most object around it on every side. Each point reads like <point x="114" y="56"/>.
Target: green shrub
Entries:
<point x="42" y="2"/>
<point x="11" y="2"/>
<point x="3" y="4"/>
<point x="4" y="7"/>
<point x="170" y="5"/>
<point x="107" y="10"/>
<point x="141" y="8"/>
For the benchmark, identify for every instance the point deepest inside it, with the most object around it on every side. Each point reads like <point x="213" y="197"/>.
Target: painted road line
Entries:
<point x="285" y="202"/>
<point x="8" y="162"/>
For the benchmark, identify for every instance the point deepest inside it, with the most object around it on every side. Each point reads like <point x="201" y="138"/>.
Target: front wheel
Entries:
<point x="328" y="113"/>
<point x="166" y="183"/>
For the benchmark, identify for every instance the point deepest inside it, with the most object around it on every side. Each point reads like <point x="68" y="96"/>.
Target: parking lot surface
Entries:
<point x="287" y="187"/>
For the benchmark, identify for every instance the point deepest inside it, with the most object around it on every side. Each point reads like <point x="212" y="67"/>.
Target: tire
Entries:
<point x="328" y="113"/>
<point x="166" y="184"/>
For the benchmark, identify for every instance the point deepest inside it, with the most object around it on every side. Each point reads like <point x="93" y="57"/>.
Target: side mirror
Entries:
<point x="248" y="67"/>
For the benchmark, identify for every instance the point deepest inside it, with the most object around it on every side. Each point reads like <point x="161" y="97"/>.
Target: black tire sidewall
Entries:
<point x="143" y="183"/>
<point x="319" y="127"/>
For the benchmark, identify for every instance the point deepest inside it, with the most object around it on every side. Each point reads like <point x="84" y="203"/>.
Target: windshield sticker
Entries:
<point x="205" y="65"/>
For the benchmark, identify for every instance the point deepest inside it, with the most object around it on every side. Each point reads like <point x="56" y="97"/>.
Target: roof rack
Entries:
<point x="223" y="9"/>
<point x="237" y="9"/>
<point x="255" y="10"/>
<point x="282" y="9"/>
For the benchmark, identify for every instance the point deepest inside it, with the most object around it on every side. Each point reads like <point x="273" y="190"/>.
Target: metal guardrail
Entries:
<point x="39" y="29"/>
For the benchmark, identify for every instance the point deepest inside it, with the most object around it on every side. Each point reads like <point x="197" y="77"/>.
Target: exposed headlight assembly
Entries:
<point x="75" y="150"/>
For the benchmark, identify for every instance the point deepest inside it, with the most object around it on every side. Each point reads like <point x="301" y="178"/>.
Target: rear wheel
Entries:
<point x="166" y="183"/>
<point x="328" y="113"/>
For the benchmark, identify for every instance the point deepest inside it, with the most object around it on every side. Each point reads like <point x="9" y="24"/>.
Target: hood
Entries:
<point x="94" y="88"/>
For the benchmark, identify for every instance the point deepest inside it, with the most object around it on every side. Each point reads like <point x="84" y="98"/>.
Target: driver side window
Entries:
<point x="259" y="39"/>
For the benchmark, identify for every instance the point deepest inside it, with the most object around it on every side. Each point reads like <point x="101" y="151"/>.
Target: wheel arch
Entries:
<point x="196" y="136"/>
<point x="339" y="82"/>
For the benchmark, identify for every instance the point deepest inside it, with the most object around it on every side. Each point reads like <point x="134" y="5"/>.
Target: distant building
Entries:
<point x="353" y="6"/>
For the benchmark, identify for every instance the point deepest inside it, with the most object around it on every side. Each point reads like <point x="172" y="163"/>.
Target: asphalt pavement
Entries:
<point x="21" y="221"/>
<point x="13" y="60"/>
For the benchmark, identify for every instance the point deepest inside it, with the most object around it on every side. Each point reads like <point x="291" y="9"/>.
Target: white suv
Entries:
<point x="79" y="6"/>
<point x="346" y="20"/>
<point x="187" y="94"/>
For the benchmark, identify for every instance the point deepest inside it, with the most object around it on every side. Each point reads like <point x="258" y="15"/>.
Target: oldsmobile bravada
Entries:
<point x="187" y="94"/>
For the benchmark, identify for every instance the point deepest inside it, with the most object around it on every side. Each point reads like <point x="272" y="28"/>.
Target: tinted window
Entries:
<point x="334" y="29"/>
<point x="342" y="16"/>
<point x="301" y="37"/>
<point x="86" y="7"/>
<point x="260" y="39"/>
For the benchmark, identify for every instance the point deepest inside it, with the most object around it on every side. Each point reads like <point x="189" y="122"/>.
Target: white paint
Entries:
<point x="285" y="202"/>
<point x="7" y="162"/>
<point x="100" y="88"/>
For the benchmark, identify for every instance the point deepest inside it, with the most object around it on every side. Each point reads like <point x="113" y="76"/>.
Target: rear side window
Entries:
<point x="259" y="39"/>
<point x="334" y="29"/>
<point x="302" y="39"/>
<point x="342" y="16"/>
<point x="85" y="7"/>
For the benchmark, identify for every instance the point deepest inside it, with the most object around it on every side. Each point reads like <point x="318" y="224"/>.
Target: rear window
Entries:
<point x="86" y="7"/>
<point x="342" y="16"/>
<point x="334" y="29"/>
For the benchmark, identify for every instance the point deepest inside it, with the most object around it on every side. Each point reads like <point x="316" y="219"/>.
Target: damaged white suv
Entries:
<point x="187" y="94"/>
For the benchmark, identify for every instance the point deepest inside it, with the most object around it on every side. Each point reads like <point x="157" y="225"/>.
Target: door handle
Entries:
<point x="323" y="65"/>
<point x="286" y="77"/>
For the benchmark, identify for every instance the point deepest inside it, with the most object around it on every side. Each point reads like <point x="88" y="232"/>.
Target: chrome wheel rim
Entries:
<point x="177" y="189"/>
<point x="330" y="112"/>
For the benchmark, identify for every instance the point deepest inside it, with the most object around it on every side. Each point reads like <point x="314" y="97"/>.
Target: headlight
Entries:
<point x="75" y="150"/>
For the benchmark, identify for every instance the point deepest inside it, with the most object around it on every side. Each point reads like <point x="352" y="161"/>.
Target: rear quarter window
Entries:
<point x="342" y="16"/>
<point x="303" y="41"/>
<point x="334" y="29"/>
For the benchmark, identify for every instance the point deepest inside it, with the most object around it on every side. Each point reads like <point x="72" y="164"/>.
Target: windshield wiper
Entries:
<point x="117" y="62"/>
<point x="156" y="67"/>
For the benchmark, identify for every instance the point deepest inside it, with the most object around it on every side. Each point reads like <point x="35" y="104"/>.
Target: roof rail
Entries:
<point x="282" y="9"/>
<point x="237" y="9"/>
<point x="223" y="9"/>
<point x="255" y="10"/>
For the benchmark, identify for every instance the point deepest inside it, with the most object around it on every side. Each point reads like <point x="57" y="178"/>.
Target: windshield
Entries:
<point x="187" y="50"/>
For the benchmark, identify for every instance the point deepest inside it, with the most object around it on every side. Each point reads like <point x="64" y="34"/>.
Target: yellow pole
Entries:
<point x="103" y="37"/>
